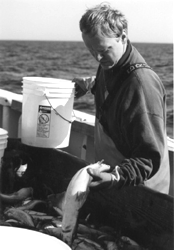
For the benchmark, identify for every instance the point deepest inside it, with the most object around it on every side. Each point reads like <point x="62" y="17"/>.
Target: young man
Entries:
<point x="130" y="127"/>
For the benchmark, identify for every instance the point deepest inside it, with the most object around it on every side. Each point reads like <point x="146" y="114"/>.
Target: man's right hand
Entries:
<point x="80" y="87"/>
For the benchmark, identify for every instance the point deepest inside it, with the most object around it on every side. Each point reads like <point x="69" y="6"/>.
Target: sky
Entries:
<point x="148" y="20"/>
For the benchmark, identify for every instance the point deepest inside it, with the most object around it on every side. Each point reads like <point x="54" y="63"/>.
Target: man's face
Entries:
<point x="107" y="51"/>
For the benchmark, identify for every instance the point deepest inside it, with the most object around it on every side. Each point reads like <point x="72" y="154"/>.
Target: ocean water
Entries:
<point x="67" y="60"/>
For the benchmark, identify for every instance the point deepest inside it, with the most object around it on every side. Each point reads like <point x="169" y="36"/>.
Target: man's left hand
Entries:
<point x="101" y="180"/>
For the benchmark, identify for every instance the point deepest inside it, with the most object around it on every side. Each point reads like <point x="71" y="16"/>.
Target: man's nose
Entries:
<point x="98" y="57"/>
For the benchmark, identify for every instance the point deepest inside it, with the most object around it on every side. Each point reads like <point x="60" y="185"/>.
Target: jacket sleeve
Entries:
<point x="142" y="127"/>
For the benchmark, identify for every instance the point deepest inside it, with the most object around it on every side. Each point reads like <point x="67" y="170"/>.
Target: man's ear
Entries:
<point x="124" y="37"/>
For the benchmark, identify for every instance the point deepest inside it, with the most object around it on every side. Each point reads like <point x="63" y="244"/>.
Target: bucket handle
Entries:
<point x="57" y="112"/>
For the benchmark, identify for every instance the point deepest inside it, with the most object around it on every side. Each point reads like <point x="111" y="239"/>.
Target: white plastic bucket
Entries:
<point x="3" y="142"/>
<point x="47" y="112"/>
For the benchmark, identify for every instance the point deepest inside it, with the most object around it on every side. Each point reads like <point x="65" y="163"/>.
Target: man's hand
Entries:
<point x="100" y="176"/>
<point x="83" y="85"/>
<point x="100" y="179"/>
<point x="80" y="88"/>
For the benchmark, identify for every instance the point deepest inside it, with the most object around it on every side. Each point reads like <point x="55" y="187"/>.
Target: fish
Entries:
<point x="21" y="216"/>
<point x="38" y="217"/>
<point x="14" y="223"/>
<point x="75" y="196"/>
<point x="33" y="204"/>
<point x="53" y="231"/>
<point x="92" y="232"/>
<point x="4" y="223"/>
<point x="16" y="197"/>
<point x="111" y="245"/>
<point x="83" y="243"/>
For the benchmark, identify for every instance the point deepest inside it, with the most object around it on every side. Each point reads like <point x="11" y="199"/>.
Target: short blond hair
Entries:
<point x="110" y="22"/>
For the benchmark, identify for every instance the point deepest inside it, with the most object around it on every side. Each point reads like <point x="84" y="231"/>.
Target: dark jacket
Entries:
<point x="135" y="119"/>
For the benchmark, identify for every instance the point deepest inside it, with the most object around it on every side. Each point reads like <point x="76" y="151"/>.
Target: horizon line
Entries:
<point x="38" y="40"/>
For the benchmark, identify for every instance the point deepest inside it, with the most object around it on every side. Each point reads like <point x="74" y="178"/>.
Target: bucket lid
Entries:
<point x="3" y="132"/>
<point x="45" y="81"/>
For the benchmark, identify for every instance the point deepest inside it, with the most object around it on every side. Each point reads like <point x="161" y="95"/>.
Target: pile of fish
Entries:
<point x="58" y="216"/>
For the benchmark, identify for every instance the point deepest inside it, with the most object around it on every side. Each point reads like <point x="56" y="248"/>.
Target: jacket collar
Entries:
<point x="124" y="58"/>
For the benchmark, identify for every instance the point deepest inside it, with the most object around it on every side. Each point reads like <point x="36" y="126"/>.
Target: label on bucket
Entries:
<point x="43" y="121"/>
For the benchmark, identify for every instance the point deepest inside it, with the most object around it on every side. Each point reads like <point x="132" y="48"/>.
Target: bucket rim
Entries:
<point x="51" y="88"/>
<point x="46" y="80"/>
